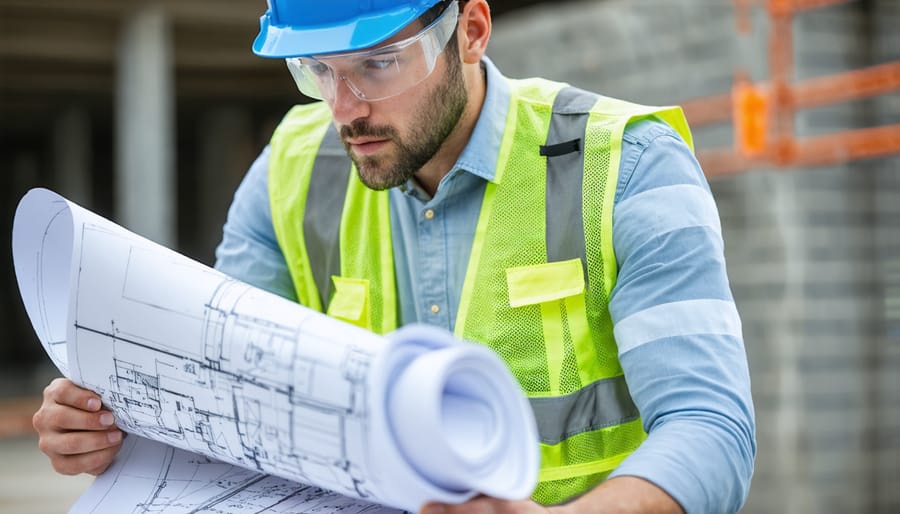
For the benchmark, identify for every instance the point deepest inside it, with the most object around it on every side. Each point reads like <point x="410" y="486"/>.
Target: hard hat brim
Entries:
<point x="285" y="41"/>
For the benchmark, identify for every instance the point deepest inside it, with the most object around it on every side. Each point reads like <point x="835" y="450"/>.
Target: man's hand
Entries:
<point x="486" y="505"/>
<point x="77" y="435"/>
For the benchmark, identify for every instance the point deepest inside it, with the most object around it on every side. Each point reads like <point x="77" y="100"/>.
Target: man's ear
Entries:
<point x="474" y="30"/>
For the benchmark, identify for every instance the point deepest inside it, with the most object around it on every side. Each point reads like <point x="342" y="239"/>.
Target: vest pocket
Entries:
<point x="558" y="288"/>
<point x="350" y="302"/>
<point x="541" y="283"/>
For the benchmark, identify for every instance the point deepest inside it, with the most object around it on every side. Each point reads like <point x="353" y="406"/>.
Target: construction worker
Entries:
<point x="572" y="233"/>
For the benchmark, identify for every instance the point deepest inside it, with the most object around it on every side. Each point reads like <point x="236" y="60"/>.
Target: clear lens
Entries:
<point x="379" y="73"/>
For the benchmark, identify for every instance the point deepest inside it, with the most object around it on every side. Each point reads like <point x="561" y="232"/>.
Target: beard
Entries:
<point x="434" y="120"/>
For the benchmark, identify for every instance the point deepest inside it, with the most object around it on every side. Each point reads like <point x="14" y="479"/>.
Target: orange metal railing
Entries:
<point x="763" y="113"/>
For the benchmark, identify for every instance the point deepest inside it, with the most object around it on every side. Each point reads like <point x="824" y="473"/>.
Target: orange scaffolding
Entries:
<point x="763" y="112"/>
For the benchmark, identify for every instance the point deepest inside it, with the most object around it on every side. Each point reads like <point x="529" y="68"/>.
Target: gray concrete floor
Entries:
<point x="28" y="484"/>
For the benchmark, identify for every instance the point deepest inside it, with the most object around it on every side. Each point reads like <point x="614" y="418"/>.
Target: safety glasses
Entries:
<point x="379" y="73"/>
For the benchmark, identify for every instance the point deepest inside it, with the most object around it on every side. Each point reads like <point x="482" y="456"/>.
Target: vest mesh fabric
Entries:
<point x="515" y="236"/>
<point x="367" y="251"/>
<point x="600" y="172"/>
<point x="619" y="440"/>
<point x="365" y="237"/>
<point x="290" y="164"/>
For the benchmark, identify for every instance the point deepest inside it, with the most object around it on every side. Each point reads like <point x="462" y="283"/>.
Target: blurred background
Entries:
<point x="149" y="112"/>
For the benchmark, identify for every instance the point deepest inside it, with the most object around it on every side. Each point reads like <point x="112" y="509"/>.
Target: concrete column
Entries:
<point x="225" y="153"/>
<point x="21" y="172"/>
<point x="72" y="155"/>
<point x="145" y="171"/>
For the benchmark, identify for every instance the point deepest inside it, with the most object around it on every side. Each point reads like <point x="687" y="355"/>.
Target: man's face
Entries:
<point x="390" y="140"/>
<point x="389" y="154"/>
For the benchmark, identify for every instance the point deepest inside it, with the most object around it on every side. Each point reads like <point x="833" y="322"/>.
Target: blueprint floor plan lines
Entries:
<point x="166" y="479"/>
<point x="244" y="386"/>
<point x="230" y="380"/>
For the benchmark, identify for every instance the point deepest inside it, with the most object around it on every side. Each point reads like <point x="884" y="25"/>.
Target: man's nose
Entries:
<point x="345" y="105"/>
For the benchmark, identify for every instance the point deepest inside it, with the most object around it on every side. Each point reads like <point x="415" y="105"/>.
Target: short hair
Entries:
<point x="436" y="10"/>
<point x="428" y="17"/>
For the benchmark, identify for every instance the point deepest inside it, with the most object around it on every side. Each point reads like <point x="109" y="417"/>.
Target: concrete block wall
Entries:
<point x="814" y="254"/>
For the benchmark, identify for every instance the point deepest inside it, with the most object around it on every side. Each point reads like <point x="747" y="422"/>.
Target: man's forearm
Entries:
<point x="623" y="495"/>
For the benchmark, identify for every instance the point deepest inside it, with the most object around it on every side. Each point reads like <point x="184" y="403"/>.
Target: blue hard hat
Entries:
<point x="295" y="28"/>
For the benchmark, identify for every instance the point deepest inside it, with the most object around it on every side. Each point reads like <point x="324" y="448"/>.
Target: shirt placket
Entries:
<point x="432" y="267"/>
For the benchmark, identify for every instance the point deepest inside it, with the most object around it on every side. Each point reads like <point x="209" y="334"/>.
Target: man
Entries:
<point x="573" y="234"/>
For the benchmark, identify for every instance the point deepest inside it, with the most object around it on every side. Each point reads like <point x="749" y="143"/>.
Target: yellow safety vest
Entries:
<point x="539" y="276"/>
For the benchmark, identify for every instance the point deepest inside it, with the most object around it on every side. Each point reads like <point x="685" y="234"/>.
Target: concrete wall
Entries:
<point x="813" y="253"/>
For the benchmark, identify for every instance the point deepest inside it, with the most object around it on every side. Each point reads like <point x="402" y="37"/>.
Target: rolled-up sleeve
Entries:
<point x="677" y="328"/>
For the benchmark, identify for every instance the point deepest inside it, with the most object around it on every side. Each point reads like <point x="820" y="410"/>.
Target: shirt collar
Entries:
<point x="481" y="153"/>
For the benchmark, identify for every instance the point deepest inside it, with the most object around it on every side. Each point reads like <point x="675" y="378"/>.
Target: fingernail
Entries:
<point x="114" y="436"/>
<point x="106" y="419"/>
<point x="434" y="508"/>
<point x="93" y="404"/>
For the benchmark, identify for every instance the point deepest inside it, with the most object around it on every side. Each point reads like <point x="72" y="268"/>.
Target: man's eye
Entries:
<point x="379" y="64"/>
<point x="318" y="68"/>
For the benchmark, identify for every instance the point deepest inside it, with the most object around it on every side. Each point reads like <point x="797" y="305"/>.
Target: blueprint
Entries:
<point x="194" y="359"/>
<point x="179" y="482"/>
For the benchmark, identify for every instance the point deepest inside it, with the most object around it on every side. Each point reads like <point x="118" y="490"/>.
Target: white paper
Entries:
<point x="175" y="481"/>
<point x="187" y="356"/>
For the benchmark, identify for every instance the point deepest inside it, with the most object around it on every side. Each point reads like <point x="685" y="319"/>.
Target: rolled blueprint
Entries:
<point x="187" y="356"/>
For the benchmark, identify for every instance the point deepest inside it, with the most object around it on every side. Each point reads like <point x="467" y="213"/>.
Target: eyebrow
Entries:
<point x="385" y="49"/>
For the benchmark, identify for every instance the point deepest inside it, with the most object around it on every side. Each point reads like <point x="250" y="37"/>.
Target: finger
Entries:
<point x="478" y="505"/>
<point x="57" y="417"/>
<point x="433" y="508"/>
<point x="63" y="391"/>
<point x="77" y="443"/>
<point x="487" y="505"/>
<point x="94" y="462"/>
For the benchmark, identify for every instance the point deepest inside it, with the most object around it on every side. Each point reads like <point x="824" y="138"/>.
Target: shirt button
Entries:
<point x="429" y="214"/>
<point x="435" y="309"/>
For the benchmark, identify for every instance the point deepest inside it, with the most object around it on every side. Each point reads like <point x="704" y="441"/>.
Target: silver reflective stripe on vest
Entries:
<point x="322" y="216"/>
<point x="604" y="403"/>
<point x="565" y="225"/>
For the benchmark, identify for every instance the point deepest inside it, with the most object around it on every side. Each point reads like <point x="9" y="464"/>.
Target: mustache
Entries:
<point x="362" y="128"/>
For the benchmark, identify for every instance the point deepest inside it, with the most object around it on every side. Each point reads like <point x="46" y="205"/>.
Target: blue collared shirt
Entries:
<point x="676" y="325"/>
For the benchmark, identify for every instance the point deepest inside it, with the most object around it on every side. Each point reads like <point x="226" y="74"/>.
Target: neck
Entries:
<point x="430" y="175"/>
